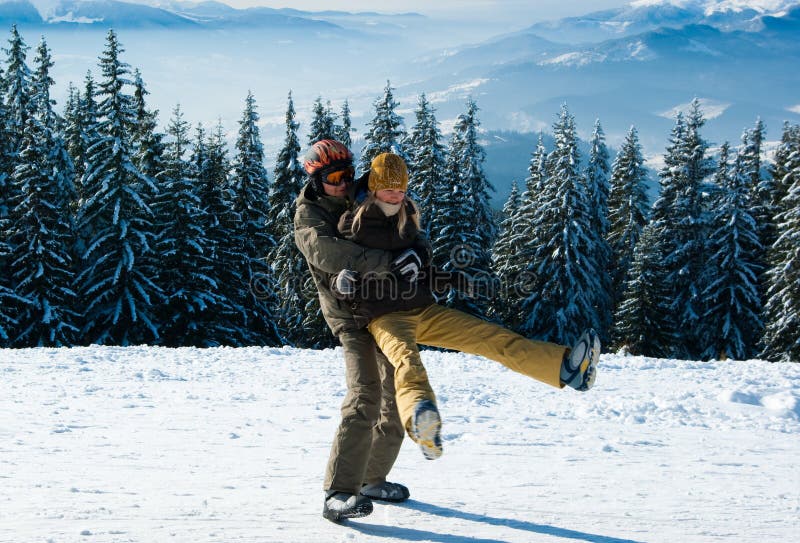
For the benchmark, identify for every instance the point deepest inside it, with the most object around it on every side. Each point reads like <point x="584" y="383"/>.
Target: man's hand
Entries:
<point x="344" y="284"/>
<point x="407" y="265"/>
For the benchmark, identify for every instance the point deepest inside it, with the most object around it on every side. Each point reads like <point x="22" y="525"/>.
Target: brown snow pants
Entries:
<point x="397" y="335"/>
<point x="370" y="434"/>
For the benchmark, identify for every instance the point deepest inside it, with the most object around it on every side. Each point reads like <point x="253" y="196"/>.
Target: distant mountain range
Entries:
<point x="745" y="67"/>
<point x="637" y="65"/>
<point x="175" y="15"/>
<point x="644" y="16"/>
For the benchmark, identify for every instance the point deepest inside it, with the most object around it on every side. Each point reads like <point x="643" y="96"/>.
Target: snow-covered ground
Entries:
<point x="228" y="445"/>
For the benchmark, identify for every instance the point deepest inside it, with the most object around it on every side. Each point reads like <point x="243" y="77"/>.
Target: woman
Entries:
<point x="400" y="310"/>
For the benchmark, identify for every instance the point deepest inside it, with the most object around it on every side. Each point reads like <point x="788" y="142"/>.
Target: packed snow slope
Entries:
<point x="229" y="445"/>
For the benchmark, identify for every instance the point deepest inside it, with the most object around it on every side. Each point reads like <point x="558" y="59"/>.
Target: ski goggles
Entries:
<point x="338" y="177"/>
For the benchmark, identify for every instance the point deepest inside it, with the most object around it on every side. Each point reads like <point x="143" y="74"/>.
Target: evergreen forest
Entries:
<point x="116" y="229"/>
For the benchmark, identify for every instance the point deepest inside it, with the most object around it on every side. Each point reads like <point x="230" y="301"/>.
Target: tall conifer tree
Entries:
<point x="506" y="264"/>
<point x="287" y="262"/>
<point x="343" y="131"/>
<point x="565" y="304"/>
<point x="781" y="339"/>
<point x="191" y="295"/>
<point x="43" y="233"/>
<point x="323" y="124"/>
<point x="250" y="188"/>
<point x="223" y="230"/>
<point x="116" y="282"/>
<point x="385" y="132"/>
<point x="81" y="120"/>
<point x="464" y="229"/>
<point x="427" y="160"/>
<point x="638" y="318"/>
<point x="627" y="209"/>
<point x="731" y="324"/>
<point x="682" y="227"/>
<point x="597" y="191"/>
<point x="16" y="84"/>
<point x="529" y="229"/>
<point x="147" y="141"/>
<point x="8" y="158"/>
<point x="781" y="168"/>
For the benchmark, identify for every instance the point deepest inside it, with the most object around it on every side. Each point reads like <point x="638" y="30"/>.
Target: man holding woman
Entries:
<point x="388" y="288"/>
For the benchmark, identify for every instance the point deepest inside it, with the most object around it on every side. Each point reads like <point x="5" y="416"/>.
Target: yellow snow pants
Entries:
<point x="397" y="335"/>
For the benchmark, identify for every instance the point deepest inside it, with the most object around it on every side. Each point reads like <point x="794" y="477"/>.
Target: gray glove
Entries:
<point x="344" y="284"/>
<point x="407" y="265"/>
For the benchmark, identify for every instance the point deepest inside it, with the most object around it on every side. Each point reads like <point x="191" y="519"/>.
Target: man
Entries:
<point x="370" y="434"/>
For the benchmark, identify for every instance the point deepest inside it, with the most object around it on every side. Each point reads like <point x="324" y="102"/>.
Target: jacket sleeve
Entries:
<point x="318" y="240"/>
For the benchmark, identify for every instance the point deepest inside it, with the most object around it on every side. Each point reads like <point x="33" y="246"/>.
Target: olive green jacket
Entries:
<point x="327" y="253"/>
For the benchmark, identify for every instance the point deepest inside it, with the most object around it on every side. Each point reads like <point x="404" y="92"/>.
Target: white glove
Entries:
<point x="407" y="265"/>
<point x="345" y="282"/>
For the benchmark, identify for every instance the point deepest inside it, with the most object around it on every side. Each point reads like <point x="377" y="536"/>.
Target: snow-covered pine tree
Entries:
<point x="147" y="141"/>
<point x="662" y="238"/>
<point x="427" y="162"/>
<point x="782" y="308"/>
<point x="80" y="116"/>
<point x="10" y="302"/>
<point x="323" y="123"/>
<point x="528" y="230"/>
<point x="7" y="158"/>
<point x="385" y="132"/>
<point x="43" y="228"/>
<point x="250" y="189"/>
<point x="72" y="129"/>
<point x="465" y="228"/>
<point x="191" y="295"/>
<point x="506" y="263"/>
<point x="16" y="85"/>
<point x="116" y="282"/>
<point x="731" y="324"/>
<point x="764" y="194"/>
<point x="343" y="130"/>
<point x="287" y="262"/>
<point x="692" y="230"/>
<point x="222" y="229"/>
<point x="751" y="155"/>
<point x="597" y="190"/>
<point x="565" y="304"/>
<point x="783" y="162"/>
<point x="41" y="82"/>
<point x="638" y="320"/>
<point x="6" y="292"/>
<point x="682" y="225"/>
<point x="628" y="209"/>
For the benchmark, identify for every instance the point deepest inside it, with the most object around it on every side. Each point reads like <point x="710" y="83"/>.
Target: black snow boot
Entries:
<point x="341" y="505"/>
<point x="386" y="492"/>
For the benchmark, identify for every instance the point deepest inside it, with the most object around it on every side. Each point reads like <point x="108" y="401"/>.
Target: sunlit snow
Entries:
<point x="219" y="445"/>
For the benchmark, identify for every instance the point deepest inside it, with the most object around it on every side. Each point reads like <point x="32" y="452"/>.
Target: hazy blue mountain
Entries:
<point x="632" y="66"/>
<point x="637" y="18"/>
<point x="639" y="79"/>
<point x="174" y="16"/>
<point x="113" y="14"/>
<point x="19" y="11"/>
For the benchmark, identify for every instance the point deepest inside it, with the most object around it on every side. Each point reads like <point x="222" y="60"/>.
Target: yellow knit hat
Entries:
<point x="388" y="171"/>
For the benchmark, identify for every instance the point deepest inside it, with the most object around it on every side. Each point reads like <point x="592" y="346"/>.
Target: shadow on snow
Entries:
<point x="410" y="534"/>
